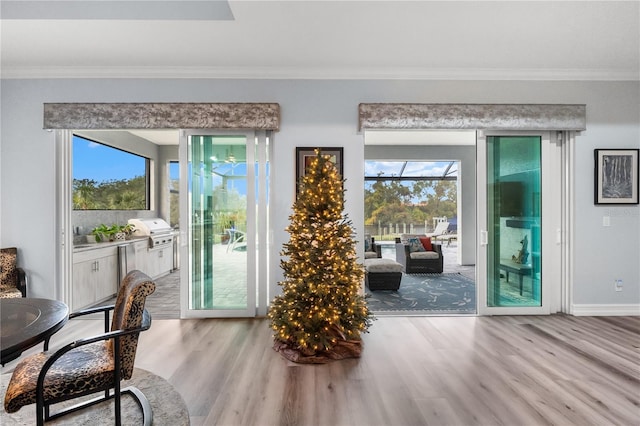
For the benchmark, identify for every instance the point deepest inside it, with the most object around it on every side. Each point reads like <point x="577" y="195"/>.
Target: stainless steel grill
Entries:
<point x="158" y="230"/>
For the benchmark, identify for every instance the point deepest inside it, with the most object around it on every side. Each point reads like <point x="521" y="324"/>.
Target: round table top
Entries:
<point x="27" y="321"/>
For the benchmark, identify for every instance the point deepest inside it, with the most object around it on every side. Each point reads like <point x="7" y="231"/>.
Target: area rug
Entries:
<point x="169" y="408"/>
<point x="426" y="294"/>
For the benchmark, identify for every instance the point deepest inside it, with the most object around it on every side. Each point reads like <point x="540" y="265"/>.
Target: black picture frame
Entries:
<point x="616" y="176"/>
<point x="305" y="154"/>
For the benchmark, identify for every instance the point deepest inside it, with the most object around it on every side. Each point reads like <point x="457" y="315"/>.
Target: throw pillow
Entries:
<point x="415" y="245"/>
<point x="426" y="243"/>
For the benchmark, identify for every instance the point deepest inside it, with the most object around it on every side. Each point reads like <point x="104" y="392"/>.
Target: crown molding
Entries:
<point x="356" y="73"/>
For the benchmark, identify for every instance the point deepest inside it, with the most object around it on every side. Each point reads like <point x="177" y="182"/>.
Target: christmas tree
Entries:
<point x="320" y="314"/>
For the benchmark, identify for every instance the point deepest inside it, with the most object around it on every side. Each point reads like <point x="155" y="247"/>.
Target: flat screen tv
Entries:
<point x="511" y="199"/>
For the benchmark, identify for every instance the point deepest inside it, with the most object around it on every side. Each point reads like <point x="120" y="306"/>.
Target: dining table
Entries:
<point x="28" y="321"/>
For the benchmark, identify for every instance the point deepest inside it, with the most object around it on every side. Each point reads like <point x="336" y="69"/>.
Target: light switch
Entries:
<point x="606" y="221"/>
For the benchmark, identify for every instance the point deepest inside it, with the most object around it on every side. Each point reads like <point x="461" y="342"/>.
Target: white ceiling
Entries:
<point x="529" y="40"/>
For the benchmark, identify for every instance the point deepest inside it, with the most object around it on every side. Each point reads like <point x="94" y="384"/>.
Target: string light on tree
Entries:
<point x="320" y="314"/>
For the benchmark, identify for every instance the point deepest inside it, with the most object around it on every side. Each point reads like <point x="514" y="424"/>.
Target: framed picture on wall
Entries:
<point x="616" y="176"/>
<point x="305" y="155"/>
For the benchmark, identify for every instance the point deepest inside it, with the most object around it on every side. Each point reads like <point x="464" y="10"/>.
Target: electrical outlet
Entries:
<point x="618" y="284"/>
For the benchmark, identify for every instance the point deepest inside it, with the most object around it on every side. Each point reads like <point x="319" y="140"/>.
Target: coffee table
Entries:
<point x="27" y="321"/>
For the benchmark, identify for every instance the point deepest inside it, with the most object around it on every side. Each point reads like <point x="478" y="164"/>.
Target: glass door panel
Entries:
<point x="514" y="194"/>
<point x="519" y="213"/>
<point x="217" y="224"/>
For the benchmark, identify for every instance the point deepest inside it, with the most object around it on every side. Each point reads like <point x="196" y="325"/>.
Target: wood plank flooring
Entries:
<point x="551" y="370"/>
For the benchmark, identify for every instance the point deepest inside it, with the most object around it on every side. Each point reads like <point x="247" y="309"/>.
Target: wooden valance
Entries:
<point x="543" y="117"/>
<point x="256" y="116"/>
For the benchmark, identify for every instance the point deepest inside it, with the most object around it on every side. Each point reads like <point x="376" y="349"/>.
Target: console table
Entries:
<point x="509" y="266"/>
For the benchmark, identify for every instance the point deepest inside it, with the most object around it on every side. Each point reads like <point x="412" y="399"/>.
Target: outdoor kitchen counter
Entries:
<point x="93" y="246"/>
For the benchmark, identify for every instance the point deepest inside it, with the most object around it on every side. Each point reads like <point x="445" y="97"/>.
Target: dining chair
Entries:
<point x="90" y="365"/>
<point x="13" y="279"/>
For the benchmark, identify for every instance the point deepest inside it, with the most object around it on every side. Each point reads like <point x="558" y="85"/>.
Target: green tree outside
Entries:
<point x="392" y="202"/>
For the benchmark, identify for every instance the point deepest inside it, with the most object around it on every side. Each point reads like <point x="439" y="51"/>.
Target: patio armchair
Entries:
<point x="371" y="249"/>
<point x="418" y="255"/>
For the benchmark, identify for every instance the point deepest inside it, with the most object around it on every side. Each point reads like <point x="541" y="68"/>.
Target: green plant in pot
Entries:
<point x="101" y="233"/>
<point x="113" y="232"/>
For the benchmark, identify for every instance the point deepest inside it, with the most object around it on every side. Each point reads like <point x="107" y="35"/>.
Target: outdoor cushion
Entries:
<point x="382" y="265"/>
<point x="415" y="245"/>
<point x="370" y="255"/>
<point x="426" y="243"/>
<point x="424" y="255"/>
<point x="404" y="238"/>
<point x="367" y="243"/>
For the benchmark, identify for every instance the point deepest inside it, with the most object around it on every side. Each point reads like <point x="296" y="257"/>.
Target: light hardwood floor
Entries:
<point x="559" y="370"/>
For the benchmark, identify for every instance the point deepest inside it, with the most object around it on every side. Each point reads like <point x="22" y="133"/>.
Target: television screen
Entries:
<point x="511" y="199"/>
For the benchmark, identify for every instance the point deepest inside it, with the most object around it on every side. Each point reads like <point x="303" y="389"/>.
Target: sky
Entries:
<point x="412" y="169"/>
<point x="101" y="163"/>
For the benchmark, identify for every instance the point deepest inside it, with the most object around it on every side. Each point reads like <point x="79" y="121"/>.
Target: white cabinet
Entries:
<point x="95" y="276"/>
<point x="160" y="261"/>
<point x="155" y="262"/>
<point x="141" y="249"/>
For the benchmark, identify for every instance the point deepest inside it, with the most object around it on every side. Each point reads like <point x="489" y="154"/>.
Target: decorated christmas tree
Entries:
<point x="320" y="314"/>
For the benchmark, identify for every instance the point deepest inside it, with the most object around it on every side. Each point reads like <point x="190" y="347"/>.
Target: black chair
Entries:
<point x="13" y="279"/>
<point x="371" y="249"/>
<point x="91" y="365"/>
<point x="420" y="262"/>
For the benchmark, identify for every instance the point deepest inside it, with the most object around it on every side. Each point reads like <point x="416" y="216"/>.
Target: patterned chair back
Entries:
<point x="128" y="313"/>
<point x="9" y="273"/>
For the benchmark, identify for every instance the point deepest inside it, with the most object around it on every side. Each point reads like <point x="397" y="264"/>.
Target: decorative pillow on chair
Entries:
<point x="415" y="245"/>
<point x="426" y="243"/>
<point x="367" y="243"/>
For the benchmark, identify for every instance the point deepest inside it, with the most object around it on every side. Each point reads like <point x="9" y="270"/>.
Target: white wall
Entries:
<point x="321" y="113"/>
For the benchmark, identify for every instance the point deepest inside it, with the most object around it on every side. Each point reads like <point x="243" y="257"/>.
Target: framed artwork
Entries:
<point x="616" y="176"/>
<point x="305" y="155"/>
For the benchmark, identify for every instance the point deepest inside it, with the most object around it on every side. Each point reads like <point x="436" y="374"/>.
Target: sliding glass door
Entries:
<point x="519" y="221"/>
<point x="225" y="181"/>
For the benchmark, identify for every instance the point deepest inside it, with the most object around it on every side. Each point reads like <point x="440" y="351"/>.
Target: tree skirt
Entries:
<point x="168" y="406"/>
<point x="342" y="350"/>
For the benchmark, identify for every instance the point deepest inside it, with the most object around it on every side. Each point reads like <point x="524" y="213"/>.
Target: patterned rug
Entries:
<point x="168" y="406"/>
<point x="426" y="294"/>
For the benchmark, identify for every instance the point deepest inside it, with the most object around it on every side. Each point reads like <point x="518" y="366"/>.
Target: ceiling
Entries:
<point x="505" y="40"/>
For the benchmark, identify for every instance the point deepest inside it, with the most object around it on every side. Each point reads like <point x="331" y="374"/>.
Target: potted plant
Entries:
<point x="112" y="233"/>
<point x="128" y="230"/>
<point x="101" y="233"/>
<point x="121" y="232"/>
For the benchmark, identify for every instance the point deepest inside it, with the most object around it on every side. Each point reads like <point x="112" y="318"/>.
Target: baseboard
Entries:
<point x="629" y="309"/>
